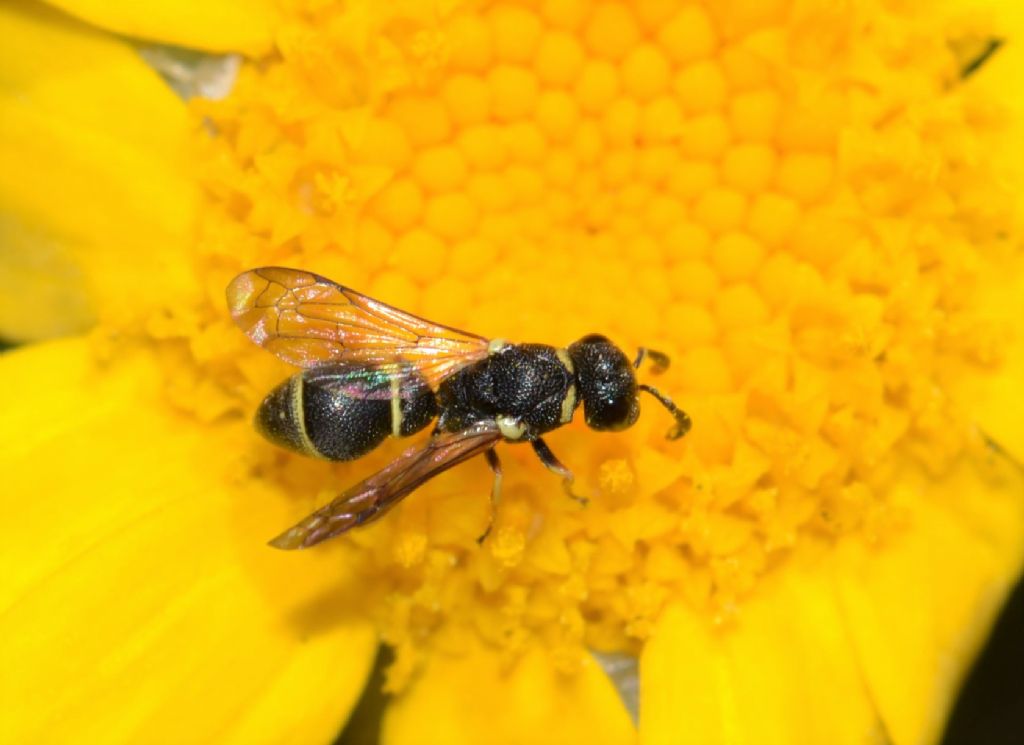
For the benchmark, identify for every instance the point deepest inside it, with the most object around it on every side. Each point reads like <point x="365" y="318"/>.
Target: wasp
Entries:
<point x="371" y="371"/>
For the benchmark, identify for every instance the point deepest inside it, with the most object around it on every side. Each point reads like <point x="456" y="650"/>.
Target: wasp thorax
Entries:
<point x="606" y="383"/>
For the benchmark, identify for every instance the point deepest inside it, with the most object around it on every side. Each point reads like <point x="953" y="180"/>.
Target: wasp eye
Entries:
<point x="613" y="414"/>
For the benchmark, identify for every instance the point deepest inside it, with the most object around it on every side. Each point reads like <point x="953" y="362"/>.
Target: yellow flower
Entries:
<point x="807" y="204"/>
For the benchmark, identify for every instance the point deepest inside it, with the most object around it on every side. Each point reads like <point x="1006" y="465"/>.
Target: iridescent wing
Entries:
<point x="371" y="498"/>
<point x="307" y="320"/>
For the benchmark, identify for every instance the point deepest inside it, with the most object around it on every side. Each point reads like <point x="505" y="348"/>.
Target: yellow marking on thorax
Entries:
<point x="569" y="402"/>
<point x="510" y="427"/>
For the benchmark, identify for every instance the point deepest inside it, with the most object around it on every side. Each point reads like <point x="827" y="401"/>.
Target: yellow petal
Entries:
<point x="213" y="25"/>
<point x="866" y="646"/>
<point x="785" y="674"/>
<point x="96" y="201"/>
<point x="919" y="609"/>
<point x="139" y="602"/>
<point x="476" y="698"/>
<point x="42" y="289"/>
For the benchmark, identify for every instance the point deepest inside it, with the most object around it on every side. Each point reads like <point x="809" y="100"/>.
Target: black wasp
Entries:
<point x="372" y="371"/>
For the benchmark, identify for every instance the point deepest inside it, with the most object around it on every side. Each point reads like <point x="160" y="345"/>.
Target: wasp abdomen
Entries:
<point x="338" y="413"/>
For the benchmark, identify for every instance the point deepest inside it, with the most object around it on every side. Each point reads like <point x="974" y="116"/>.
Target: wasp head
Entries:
<point x="606" y="383"/>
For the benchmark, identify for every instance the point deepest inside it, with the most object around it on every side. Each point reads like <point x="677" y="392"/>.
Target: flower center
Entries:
<point x="790" y="203"/>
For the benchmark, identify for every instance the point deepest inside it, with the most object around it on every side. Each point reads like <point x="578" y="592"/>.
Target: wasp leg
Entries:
<point x="555" y="466"/>
<point x="683" y="422"/>
<point x="495" y="464"/>
<point x="659" y="360"/>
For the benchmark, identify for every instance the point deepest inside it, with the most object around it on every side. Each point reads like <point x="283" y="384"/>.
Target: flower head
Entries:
<point x="806" y="206"/>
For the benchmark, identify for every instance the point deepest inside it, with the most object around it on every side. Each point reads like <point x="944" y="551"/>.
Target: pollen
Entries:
<point x="796" y="217"/>
<point x="615" y="475"/>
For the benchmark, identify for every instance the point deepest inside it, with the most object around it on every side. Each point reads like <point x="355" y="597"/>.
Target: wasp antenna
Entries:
<point x="683" y="421"/>
<point x="660" y="361"/>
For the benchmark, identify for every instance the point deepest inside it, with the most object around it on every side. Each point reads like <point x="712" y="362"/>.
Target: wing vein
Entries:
<point x="308" y="320"/>
<point x="374" y="496"/>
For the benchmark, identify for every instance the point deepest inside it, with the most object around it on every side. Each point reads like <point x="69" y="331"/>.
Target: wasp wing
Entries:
<point x="307" y="320"/>
<point x="371" y="498"/>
